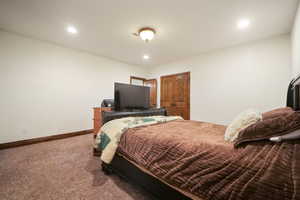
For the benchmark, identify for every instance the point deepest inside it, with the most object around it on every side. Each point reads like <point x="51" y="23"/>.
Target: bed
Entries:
<point x="182" y="160"/>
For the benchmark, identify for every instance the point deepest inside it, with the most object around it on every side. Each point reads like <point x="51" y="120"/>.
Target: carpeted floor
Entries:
<point x="60" y="170"/>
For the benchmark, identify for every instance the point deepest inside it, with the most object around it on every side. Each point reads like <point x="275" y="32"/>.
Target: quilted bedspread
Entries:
<point x="108" y="138"/>
<point x="194" y="157"/>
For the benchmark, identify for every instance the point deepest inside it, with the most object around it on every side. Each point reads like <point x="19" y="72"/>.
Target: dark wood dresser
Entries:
<point x="98" y="118"/>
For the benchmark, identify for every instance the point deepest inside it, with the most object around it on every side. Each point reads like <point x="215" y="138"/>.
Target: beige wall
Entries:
<point x="227" y="81"/>
<point x="296" y="45"/>
<point x="47" y="89"/>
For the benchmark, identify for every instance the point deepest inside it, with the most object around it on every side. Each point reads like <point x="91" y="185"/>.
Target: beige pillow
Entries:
<point x="242" y="121"/>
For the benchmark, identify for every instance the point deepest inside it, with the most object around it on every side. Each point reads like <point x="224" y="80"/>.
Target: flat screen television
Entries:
<point x="130" y="97"/>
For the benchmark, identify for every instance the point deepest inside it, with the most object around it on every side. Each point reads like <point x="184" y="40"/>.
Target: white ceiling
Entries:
<point x="184" y="28"/>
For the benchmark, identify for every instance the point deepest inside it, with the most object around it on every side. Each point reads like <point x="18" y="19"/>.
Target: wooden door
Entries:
<point x="175" y="94"/>
<point x="152" y="83"/>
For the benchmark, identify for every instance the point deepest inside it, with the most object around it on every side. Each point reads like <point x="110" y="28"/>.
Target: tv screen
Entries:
<point x="131" y="97"/>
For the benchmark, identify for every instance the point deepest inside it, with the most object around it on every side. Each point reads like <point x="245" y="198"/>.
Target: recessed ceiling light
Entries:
<point x="146" y="57"/>
<point x="243" y="23"/>
<point x="72" y="30"/>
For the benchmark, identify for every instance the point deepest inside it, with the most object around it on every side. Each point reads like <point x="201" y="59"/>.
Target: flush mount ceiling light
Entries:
<point x="71" y="30"/>
<point x="243" y="24"/>
<point x="146" y="34"/>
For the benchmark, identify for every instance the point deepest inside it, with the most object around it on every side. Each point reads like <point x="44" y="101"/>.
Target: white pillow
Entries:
<point x="242" y="121"/>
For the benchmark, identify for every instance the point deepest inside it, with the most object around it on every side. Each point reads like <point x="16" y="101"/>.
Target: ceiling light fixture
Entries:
<point x="72" y="30"/>
<point x="146" y="57"/>
<point x="243" y="23"/>
<point x="146" y="34"/>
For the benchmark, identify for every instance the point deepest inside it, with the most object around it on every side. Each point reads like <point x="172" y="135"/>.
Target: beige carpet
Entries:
<point x="58" y="170"/>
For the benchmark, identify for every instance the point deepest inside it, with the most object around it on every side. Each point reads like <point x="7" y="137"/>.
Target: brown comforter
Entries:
<point x="194" y="157"/>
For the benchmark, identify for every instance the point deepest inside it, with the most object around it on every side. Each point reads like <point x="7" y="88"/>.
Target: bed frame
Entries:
<point x="293" y="94"/>
<point x="159" y="190"/>
<point x="126" y="170"/>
